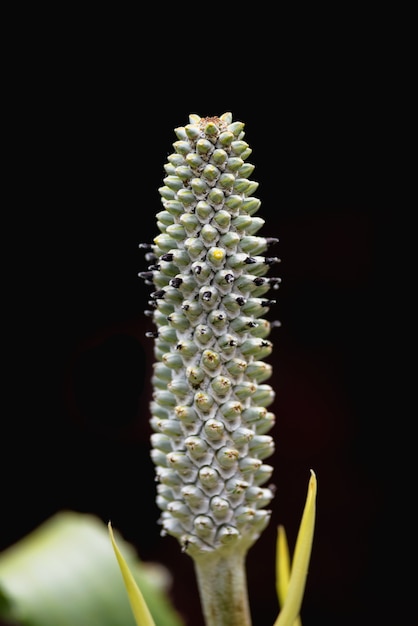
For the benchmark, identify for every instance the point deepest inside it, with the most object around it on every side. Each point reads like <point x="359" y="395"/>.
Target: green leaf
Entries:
<point x="65" y="573"/>
<point x="294" y="588"/>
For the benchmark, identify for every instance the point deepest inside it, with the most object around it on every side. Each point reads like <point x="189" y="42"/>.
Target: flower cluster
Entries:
<point x="210" y="407"/>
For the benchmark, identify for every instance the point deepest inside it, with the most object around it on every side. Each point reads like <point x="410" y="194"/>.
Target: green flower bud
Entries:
<point x="170" y="427"/>
<point x="221" y="386"/>
<point x="203" y="402"/>
<point x="265" y="424"/>
<point x="234" y="164"/>
<point x="159" y="457"/>
<point x="214" y="429"/>
<point x="169" y="477"/>
<point x="226" y="138"/>
<point x="178" y="320"/>
<point x="191" y="223"/>
<point x="181" y="133"/>
<point x="173" y="182"/>
<point x="238" y="147"/>
<point x="231" y="410"/>
<point x="179" y="510"/>
<point x="172" y="361"/>
<point x="221" y="509"/>
<point x="242" y="436"/>
<point x="174" y="207"/>
<point x="250" y="205"/>
<point x="186" y="348"/>
<point x="179" y="388"/>
<point x="182" y="147"/>
<point x="259" y="497"/>
<point x="198" y="448"/>
<point x="194" y="247"/>
<point x="229" y="241"/>
<point x="164" y="219"/>
<point x="194" y="160"/>
<point x="210" y="478"/>
<point x="191" y="131"/>
<point x="186" y="414"/>
<point x="176" y="159"/>
<point x="184" y="172"/>
<point x="204" y="147"/>
<point x="195" y="376"/>
<point x="167" y="193"/>
<point x="196" y="499"/>
<point x="204" y="211"/>
<point x="222" y="221"/>
<point x="203" y="335"/>
<point x="179" y="461"/>
<point x="256" y="223"/>
<point x="186" y="197"/>
<point x="161" y="442"/>
<point x="227" y="457"/>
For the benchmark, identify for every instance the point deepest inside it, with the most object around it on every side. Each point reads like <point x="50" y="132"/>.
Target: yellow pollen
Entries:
<point x="218" y="254"/>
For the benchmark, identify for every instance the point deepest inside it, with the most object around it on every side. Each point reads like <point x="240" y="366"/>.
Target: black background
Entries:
<point x="92" y="137"/>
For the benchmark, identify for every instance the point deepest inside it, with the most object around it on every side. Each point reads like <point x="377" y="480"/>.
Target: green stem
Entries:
<point x="222" y="582"/>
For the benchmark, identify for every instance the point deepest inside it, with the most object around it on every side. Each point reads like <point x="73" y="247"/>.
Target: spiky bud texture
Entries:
<point x="210" y="401"/>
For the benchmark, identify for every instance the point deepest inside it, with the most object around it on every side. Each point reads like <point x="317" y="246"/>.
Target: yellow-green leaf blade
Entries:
<point x="283" y="569"/>
<point x="302" y="555"/>
<point x="139" y="607"/>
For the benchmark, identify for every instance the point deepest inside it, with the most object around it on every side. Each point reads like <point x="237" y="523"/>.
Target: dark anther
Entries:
<point x="158" y="294"/>
<point x="176" y="282"/>
<point x="152" y="304"/>
<point x="146" y="275"/>
<point x="151" y="334"/>
<point x="221" y="317"/>
<point x="249" y="260"/>
<point x="259" y="280"/>
<point x="268" y="302"/>
<point x="198" y="269"/>
<point x="229" y="278"/>
<point x="207" y="295"/>
<point x="185" y="307"/>
<point x="153" y="268"/>
<point x="264" y="344"/>
<point x="252" y="324"/>
<point x="167" y="257"/>
<point x="179" y="346"/>
<point x="240" y="300"/>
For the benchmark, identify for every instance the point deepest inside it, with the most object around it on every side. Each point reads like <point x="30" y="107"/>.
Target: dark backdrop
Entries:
<point x="77" y="388"/>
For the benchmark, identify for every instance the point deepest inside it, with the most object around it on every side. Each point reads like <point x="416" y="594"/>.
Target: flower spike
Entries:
<point x="211" y="338"/>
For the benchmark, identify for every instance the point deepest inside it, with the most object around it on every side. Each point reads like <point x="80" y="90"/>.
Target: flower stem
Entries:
<point x="222" y="582"/>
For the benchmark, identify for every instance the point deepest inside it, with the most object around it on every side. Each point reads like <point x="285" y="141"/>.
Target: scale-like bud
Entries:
<point x="208" y="285"/>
